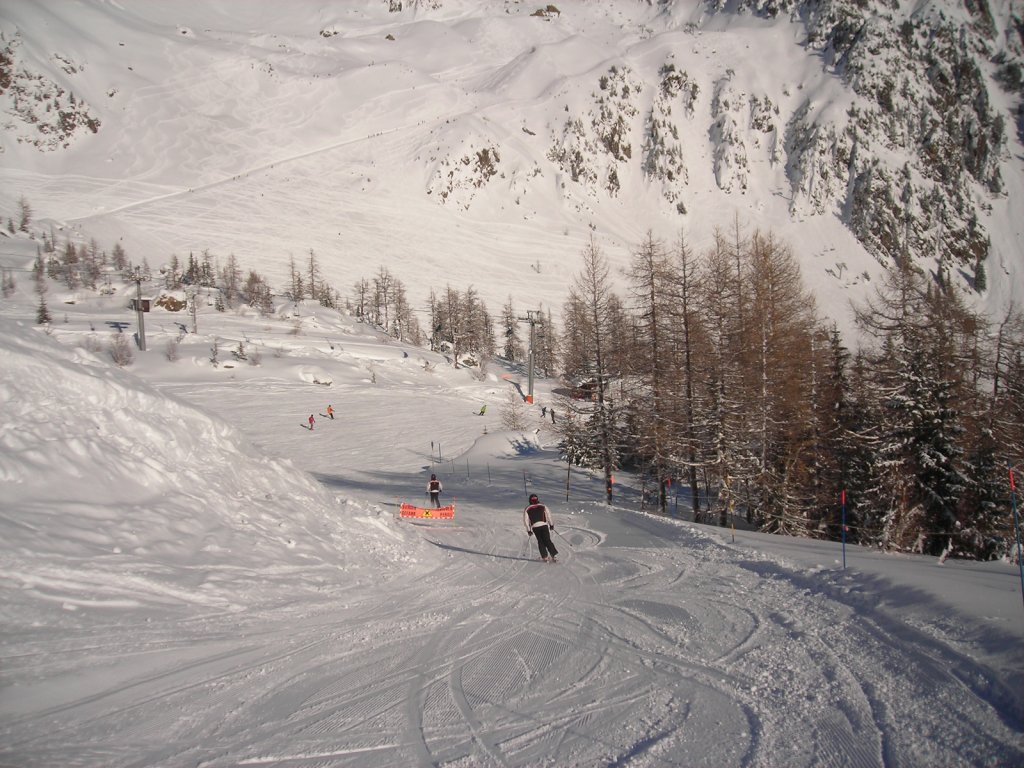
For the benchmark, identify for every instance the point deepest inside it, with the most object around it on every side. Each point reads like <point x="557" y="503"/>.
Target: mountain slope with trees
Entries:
<point x="771" y="246"/>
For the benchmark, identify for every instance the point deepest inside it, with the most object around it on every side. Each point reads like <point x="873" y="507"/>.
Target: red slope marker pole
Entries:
<point x="843" y="523"/>
<point x="1016" y="526"/>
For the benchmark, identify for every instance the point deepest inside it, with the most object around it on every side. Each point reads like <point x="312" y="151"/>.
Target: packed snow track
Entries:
<point x="646" y="645"/>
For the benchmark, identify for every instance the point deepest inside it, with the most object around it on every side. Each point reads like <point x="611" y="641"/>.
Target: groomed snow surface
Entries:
<point x="191" y="577"/>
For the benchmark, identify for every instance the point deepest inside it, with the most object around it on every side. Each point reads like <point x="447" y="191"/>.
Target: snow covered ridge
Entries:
<point x="449" y="135"/>
<point x="113" y="493"/>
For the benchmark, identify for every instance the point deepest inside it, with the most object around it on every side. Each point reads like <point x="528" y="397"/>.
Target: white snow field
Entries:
<point x="190" y="577"/>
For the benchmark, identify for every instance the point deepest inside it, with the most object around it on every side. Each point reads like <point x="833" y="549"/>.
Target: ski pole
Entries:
<point x="570" y="546"/>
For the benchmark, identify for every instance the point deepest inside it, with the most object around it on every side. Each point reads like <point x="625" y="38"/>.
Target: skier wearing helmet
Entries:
<point x="538" y="521"/>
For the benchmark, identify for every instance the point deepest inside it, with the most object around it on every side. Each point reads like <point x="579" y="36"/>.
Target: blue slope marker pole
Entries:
<point x="842" y="498"/>
<point x="1016" y="526"/>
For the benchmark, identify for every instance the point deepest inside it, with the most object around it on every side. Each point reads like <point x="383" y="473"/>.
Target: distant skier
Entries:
<point x="330" y="412"/>
<point x="552" y="415"/>
<point x="483" y="410"/>
<point x="312" y="421"/>
<point x="543" y="411"/>
<point x="434" y="489"/>
<point x="538" y="521"/>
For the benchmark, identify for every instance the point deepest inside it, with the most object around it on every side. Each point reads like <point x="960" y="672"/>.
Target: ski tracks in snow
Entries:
<point x="631" y="650"/>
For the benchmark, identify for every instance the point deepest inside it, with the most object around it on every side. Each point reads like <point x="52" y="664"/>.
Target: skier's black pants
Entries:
<point x="544" y="544"/>
<point x="435" y="498"/>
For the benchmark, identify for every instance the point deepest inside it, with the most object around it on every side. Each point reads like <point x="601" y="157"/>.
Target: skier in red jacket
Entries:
<point x="538" y="521"/>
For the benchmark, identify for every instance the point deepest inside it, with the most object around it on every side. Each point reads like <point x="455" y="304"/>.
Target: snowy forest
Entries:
<point x="715" y="373"/>
<point x="714" y="377"/>
<point x="887" y="130"/>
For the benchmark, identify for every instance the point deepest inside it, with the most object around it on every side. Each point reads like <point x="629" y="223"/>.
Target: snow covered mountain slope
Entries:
<point x="118" y="497"/>
<point x="190" y="577"/>
<point x="477" y="143"/>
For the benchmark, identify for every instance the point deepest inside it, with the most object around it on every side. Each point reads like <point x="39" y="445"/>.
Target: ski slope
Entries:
<point x="191" y="577"/>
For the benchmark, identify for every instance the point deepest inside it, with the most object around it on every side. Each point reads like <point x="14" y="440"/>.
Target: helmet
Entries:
<point x="433" y="477"/>
<point x="534" y="499"/>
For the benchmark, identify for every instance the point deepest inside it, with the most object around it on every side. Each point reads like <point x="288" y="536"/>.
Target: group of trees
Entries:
<point x="713" y="376"/>
<point x="715" y="373"/>
<point x="87" y="265"/>
<point x="461" y="325"/>
<point x="307" y="282"/>
<point x="24" y="217"/>
<point x="382" y="301"/>
<point x="232" y="289"/>
<point x="83" y="266"/>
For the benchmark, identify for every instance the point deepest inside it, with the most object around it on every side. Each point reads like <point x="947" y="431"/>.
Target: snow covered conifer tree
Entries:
<point x="258" y="294"/>
<point x="24" y="214"/>
<point x="451" y="308"/>
<point x="833" y="426"/>
<point x="230" y="279"/>
<point x="545" y="353"/>
<point x="69" y="265"/>
<point x="172" y="276"/>
<point x="118" y="257"/>
<point x="512" y="346"/>
<point x="39" y="277"/>
<point x="478" y="336"/>
<point x="918" y="371"/>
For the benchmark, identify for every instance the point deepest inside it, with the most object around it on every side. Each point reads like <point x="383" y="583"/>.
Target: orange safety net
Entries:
<point x="444" y="513"/>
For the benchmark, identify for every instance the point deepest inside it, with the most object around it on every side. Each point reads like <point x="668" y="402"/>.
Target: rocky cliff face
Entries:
<point x="38" y="110"/>
<point x="920" y="153"/>
<point x="910" y="164"/>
